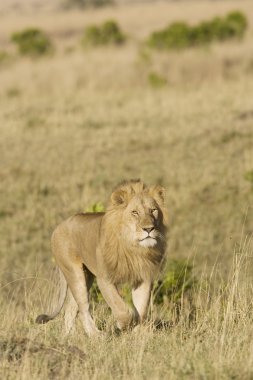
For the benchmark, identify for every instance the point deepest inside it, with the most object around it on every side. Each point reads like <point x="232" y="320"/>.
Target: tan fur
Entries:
<point x="126" y="244"/>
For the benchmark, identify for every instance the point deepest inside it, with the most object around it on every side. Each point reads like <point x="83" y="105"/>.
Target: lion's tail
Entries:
<point x="44" y="318"/>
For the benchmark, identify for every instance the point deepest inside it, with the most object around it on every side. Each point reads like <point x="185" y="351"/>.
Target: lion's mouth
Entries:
<point x="147" y="237"/>
<point x="148" y="242"/>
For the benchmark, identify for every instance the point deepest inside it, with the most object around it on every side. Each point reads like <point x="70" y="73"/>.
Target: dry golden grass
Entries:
<point x="74" y="124"/>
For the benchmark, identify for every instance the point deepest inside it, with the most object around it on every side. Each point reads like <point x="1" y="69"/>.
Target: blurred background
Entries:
<point x="93" y="92"/>
<point x="96" y="91"/>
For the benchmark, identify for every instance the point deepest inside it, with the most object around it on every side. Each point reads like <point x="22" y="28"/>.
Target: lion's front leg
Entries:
<point x="141" y="297"/>
<point x="121" y="311"/>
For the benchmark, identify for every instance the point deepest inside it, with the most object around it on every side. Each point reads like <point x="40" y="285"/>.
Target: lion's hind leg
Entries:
<point x="71" y="311"/>
<point x="79" y="280"/>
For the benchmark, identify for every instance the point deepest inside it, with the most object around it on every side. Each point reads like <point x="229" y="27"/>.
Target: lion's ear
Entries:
<point x="158" y="193"/>
<point x="119" y="197"/>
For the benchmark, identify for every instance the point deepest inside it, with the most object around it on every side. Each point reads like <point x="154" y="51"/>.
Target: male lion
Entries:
<point x="125" y="244"/>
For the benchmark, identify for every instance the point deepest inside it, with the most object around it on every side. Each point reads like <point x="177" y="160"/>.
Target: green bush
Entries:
<point x="249" y="176"/>
<point x="237" y="22"/>
<point x="156" y="80"/>
<point x="96" y="207"/>
<point x="180" y="35"/>
<point x="175" y="36"/>
<point x="95" y="294"/>
<point x="4" y="56"/>
<point x="109" y="33"/>
<point x="32" y="42"/>
<point x="13" y="92"/>
<point x="177" y="280"/>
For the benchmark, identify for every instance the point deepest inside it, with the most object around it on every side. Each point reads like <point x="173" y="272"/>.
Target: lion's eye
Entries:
<point x="135" y="213"/>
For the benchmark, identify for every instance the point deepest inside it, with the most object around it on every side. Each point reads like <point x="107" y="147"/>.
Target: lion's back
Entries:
<point x="78" y="236"/>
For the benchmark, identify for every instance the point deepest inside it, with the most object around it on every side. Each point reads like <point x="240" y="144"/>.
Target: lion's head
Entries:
<point x="142" y="213"/>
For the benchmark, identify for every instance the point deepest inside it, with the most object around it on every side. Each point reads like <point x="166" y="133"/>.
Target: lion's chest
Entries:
<point x="132" y="268"/>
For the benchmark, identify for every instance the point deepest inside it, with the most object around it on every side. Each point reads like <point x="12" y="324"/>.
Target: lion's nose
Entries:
<point x="148" y="229"/>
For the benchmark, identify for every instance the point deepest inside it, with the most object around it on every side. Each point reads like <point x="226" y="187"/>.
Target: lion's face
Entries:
<point x="142" y="217"/>
<point x="141" y="221"/>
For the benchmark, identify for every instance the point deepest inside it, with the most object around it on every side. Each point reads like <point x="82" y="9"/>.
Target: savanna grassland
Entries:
<point x="76" y="122"/>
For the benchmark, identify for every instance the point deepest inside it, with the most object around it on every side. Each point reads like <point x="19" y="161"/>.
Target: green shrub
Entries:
<point x="95" y="294"/>
<point x="177" y="280"/>
<point x="221" y="29"/>
<point x="96" y="207"/>
<point x="237" y="22"/>
<point x="180" y="35"/>
<point x="156" y="80"/>
<point x="109" y="33"/>
<point x="32" y="41"/>
<point x="13" y="92"/>
<point x="4" y="56"/>
<point x="175" y="36"/>
<point x="249" y="176"/>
